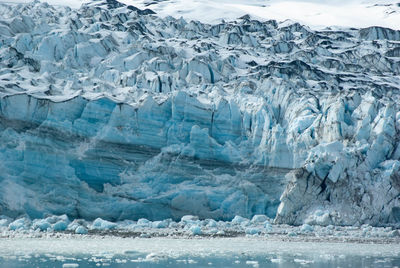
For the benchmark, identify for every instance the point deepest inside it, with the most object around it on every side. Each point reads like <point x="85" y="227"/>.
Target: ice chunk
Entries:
<point x="255" y="264"/>
<point x="306" y="228"/>
<point x="268" y="226"/>
<point x="319" y="217"/>
<point x="239" y="220"/>
<point x="60" y="226"/>
<point x="212" y="223"/>
<point x="4" y="221"/>
<point x="160" y="224"/>
<point x="22" y="223"/>
<point x="195" y="230"/>
<point x="252" y="231"/>
<point x="100" y="224"/>
<point x="189" y="218"/>
<point x="70" y="265"/>
<point x="81" y="230"/>
<point x="259" y="219"/>
<point x="41" y="224"/>
<point x="143" y="222"/>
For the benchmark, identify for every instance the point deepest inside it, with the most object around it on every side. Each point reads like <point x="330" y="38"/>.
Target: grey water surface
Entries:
<point x="237" y="260"/>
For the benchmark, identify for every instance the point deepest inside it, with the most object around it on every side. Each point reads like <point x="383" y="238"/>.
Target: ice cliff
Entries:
<point x="110" y="111"/>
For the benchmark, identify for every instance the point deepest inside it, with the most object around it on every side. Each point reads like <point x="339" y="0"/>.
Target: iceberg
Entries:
<point x="112" y="112"/>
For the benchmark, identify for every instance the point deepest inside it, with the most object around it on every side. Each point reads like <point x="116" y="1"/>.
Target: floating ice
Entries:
<point x="70" y="265"/>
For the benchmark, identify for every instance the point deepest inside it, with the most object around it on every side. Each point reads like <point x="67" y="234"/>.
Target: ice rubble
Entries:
<point x="109" y="111"/>
<point x="259" y="226"/>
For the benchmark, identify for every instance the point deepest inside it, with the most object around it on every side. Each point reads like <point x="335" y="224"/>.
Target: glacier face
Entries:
<point x="109" y="111"/>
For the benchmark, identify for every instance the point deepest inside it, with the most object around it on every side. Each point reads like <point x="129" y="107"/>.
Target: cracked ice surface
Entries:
<point x="110" y="111"/>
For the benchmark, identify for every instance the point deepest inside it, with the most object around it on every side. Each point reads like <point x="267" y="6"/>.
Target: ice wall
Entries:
<point x="112" y="112"/>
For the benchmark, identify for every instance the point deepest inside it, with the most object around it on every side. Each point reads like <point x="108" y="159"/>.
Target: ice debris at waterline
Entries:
<point x="191" y="227"/>
<point x="109" y="111"/>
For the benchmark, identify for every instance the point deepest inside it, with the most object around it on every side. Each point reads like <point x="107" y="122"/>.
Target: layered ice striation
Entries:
<point x="110" y="111"/>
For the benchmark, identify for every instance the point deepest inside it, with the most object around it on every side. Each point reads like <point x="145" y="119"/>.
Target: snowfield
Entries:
<point x="112" y="111"/>
<point x="316" y="14"/>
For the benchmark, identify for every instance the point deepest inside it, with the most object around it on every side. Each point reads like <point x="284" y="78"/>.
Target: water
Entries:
<point x="214" y="261"/>
<point x="165" y="252"/>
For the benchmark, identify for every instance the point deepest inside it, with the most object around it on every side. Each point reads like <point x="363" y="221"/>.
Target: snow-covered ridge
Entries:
<point x="316" y="14"/>
<point x="112" y="112"/>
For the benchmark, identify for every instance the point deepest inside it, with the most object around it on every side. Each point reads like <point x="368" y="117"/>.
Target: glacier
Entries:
<point x="111" y="111"/>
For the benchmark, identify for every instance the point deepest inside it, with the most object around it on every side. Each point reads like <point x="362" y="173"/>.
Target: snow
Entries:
<point x="328" y="13"/>
<point x="354" y="13"/>
<point x="313" y="13"/>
